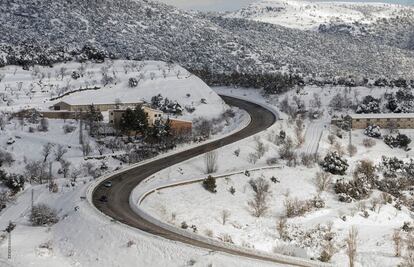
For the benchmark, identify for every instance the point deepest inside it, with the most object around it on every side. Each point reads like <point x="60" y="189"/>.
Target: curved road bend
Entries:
<point x="122" y="184"/>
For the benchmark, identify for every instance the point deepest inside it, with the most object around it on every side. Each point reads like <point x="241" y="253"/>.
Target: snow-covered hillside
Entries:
<point x="138" y="29"/>
<point x="309" y="14"/>
<point x="38" y="86"/>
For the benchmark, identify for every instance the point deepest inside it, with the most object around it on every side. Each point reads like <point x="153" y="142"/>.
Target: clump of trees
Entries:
<point x="134" y="120"/>
<point x="166" y="105"/>
<point x="364" y="179"/>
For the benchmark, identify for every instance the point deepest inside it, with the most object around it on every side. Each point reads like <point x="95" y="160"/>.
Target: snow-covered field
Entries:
<point x="308" y="15"/>
<point x="194" y="205"/>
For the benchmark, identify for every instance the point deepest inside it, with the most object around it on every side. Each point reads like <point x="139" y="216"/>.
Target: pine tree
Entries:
<point x="210" y="184"/>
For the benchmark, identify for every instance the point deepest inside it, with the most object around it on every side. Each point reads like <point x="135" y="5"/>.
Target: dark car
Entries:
<point x="103" y="199"/>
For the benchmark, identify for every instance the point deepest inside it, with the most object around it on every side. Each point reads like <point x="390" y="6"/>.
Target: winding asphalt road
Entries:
<point x="122" y="184"/>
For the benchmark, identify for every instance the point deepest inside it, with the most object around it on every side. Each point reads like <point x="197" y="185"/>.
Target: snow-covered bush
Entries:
<point x="166" y="105"/>
<point x="43" y="215"/>
<point x="6" y="158"/>
<point x="355" y="189"/>
<point x="67" y="128"/>
<point x="5" y="197"/>
<point x="401" y="102"/>
<point x="373" y="131"/>
<point x="75" y="75"/>
<point x="368" y="142"/>
<point x="391" y="167"/>
<point x="296" y="207"/>
<point x="210" y="184"/>
<point x="369" y="105"/>
<point x="322" y="181"/>
<point x="132" y="82"/>
<point x="308" y="160"/>
<point x="366" y="170"/>
<point x="334" y="163"/>
<point x="14" y="182"/>
<point x="397" y="141"/>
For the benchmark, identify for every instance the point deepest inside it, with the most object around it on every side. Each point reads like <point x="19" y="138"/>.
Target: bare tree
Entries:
<point x="299" y="132"/>
<point x="281" y="227"/>
<point x="258" y="204"/>
<point x="352" y="150"/>
<point x="86" y="149"/>
<point x="65" y="167"/>
<point x="62" y="72"/>
<point x="36" y="171"/>
<point x="43" y="215"/>
<point x="59" y="152"/>
<point x="47" y="149"/>
<point x="225" y="214"/>
<point x="331" y="139"/>
<point x="43" y="125"/>
<point x="351" y="245"/>
<point x="210" y="161"/>
<point x="409" y="254"/>
<point x="260" y="147"/>
<point x="75" y="173"/>
<point x="316" y="101"/>
<point x="397" y="239"/>
<point x="89" y="167"/>
<point x="100" y="146"/>
<point x="322" y="181"/>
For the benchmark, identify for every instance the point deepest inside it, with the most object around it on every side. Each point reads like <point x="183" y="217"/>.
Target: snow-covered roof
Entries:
<point x="100" y="98"/>
<point x="382" y="116"/>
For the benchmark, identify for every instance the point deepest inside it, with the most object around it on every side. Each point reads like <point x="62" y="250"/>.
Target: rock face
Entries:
<point x="48" y="31"/>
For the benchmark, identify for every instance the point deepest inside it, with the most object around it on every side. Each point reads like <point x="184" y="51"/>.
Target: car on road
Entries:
<point x="103" y="199"/>
<point x="108" y="184"/>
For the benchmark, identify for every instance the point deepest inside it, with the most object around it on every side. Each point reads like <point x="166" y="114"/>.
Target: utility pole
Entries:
<point x="32" y="200"/>
<point x="9" y="229"/>
<point x="80" y="130"/>
<point x="50" y="177"/>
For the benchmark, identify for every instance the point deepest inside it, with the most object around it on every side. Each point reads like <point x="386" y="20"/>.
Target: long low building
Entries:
<point x="383" y="120"/>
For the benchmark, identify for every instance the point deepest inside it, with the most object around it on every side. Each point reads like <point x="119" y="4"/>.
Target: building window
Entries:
<point x="357" y="120"/>
<point x="112" y="113"/>
<point x="112" y="121"/>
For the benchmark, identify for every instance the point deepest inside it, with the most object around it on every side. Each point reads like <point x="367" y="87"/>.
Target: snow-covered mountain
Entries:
<point x="311" y="14"/>
<point x="48" y="31"/>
